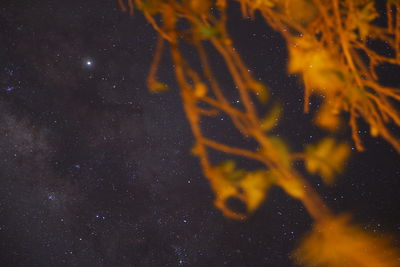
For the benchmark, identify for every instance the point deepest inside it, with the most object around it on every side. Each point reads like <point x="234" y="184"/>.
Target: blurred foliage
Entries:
<point x="336" y="242"/>
<point x="249" y="187"/>
<point x="329" y="44"/>
<point x="326" y="158"/>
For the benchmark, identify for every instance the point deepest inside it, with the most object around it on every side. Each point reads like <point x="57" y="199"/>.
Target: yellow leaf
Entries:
<point x="293" y="187"/>
<point x="328" y="118"/>
<point x="319" y="68"/>
<point x="248" y="187"/>
<point x="222" y="187"/>
<point x="326" y="158"/>
<point x="255" y="186"/>
<point x="335" y="242"/>
<point x="157" y="87"/>
<point x="299" y="48"/>
<point x="271" y="119"/>
<point x="363" y="17"/>
<point x="226" y="167"/>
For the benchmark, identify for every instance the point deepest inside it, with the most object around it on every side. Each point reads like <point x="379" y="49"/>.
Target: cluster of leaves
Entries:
<point x="248" y="186"/>
<point x="326" y="159"/>
<point x="327" y="41"/>
<point x="330" y="46"/>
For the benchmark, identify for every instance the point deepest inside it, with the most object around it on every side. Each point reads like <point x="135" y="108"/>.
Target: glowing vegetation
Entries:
<point x="326" y="159"/>
<point x="329" y="43"/>
<point x="336" y="242"/>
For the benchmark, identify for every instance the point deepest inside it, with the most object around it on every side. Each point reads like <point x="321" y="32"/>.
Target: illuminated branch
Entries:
<point x="326" y="44"/>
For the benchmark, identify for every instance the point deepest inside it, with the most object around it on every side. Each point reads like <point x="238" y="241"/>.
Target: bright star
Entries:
<point x="88" y="63"/>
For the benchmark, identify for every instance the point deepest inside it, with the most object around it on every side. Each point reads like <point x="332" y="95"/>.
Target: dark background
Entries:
<point x="96" y="171"/>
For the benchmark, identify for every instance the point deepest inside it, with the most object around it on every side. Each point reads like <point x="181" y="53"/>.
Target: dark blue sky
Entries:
<point x="96" y="171"/>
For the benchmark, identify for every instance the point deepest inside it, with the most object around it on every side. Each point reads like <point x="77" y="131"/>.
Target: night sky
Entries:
<point x="96" y="171"/>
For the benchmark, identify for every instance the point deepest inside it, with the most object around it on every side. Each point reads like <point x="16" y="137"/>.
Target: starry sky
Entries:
<point x="96" y="171"/>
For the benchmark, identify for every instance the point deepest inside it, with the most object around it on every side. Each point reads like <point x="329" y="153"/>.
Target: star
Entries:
<point x="51" y="196"/>
<point x="89" y="63"/>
